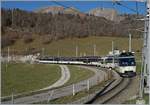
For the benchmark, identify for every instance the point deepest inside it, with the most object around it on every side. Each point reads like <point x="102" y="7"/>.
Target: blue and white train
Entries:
<point x="124" y="63"/>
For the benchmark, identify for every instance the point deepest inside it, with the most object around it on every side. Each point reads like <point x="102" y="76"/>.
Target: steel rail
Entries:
<point x="108" y="94"/>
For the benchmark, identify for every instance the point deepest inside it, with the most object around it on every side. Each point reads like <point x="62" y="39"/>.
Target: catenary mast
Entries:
<point x="146" y="54"/>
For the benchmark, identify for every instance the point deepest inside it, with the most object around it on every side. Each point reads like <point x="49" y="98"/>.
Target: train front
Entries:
<point x="126" y="64"/>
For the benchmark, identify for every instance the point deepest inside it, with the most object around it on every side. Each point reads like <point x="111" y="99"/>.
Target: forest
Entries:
<point x="19" y="24"/>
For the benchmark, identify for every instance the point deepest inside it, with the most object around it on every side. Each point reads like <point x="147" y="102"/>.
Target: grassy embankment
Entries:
<point x="138" y="67"/>
<point x="67" y="47"/>
<point x="78" y="74"/>
<point x="28" y="77"/>
<point x="21" y="78"/>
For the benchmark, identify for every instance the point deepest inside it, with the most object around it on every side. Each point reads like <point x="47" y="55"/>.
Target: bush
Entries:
<point x="27" y="38"/>
<point x="47" y="40"/>
<point x="7" y="41"/>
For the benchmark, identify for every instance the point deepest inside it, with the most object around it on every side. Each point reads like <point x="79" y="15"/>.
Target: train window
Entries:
<point x="127" y="62"/>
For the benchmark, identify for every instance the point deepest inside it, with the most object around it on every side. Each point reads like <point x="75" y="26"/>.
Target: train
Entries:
<point x="85" y="60"/>
<point x="124" y="63"/>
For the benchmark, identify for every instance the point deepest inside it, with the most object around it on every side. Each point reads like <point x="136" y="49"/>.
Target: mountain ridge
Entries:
<point x="108" y="13"/>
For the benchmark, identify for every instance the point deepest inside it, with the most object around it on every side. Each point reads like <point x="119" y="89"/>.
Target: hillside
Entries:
<point x="67" y="47"/>
<point x="26" y="25"/>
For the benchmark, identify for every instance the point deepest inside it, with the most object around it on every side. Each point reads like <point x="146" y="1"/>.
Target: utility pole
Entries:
<point x="12" y="13"/>
<point x="113" y="61"/>
<point x="12" y="98"/>
<point x="147" y="47"/>
<point x="43" y="52"/>
<point x="113" y="47"/>
<point x="148" y="55"/>
<point x="145" y="57"/>
<point x="81" y="54"/>
<point x="94" y="49"/>
<point x="58" y="53"/>
<point x="130" y="42"/>
<point x="84" y="54"/>
<point x="88" y="85"/>
<point x="76" y="51"/>
<point x="8" y="55"/>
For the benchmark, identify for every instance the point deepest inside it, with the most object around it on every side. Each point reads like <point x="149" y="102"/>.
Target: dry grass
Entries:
<point x="66" y="47"/>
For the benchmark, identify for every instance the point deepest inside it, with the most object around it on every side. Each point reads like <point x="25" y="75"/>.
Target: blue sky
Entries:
<point x="83" y="6"/>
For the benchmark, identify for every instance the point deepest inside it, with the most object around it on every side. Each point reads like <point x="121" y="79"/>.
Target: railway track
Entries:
<point x="110" y="92"/>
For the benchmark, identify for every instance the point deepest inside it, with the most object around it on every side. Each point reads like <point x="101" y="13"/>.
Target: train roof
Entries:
<point x="82" y="57"/>
<point x="126" y="54"/>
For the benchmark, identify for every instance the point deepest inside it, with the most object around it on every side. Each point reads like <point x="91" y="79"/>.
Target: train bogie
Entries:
<point x="128" y="74"/>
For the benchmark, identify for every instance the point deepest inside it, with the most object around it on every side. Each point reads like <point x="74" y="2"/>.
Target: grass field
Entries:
<point x="21" y="78"/>
<point x="78" y="74"/>
<point x="27" y="77"/>
<point x="67" y="47"/>
<point x="138" y="67"/>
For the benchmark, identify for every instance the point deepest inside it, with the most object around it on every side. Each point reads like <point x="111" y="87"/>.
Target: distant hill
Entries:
<point x="71" y="10"/>
<point x="58" y="9"/>
<point x="51" y="9"/>
<point x="108" y="13"/>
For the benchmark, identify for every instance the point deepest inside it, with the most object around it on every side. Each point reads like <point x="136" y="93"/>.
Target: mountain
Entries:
<point x="58" y="9"/>
<point x="108" y="13"/>
<point x="71" y="10"/>
<point x="62" y="10"/>
<point x="51" y="9"/>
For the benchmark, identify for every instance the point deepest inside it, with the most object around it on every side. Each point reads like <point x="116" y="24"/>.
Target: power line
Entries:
<point x="120" y="4"/>
<point x="137" y="8"/>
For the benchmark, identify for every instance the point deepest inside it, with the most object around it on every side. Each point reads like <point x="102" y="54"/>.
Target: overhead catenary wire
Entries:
<point x="125" y="6"/>
<point x="58" y="3"/>
<point x="137" y="8"/>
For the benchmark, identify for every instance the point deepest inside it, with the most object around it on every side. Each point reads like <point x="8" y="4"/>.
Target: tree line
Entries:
<point x="18" y="23"/>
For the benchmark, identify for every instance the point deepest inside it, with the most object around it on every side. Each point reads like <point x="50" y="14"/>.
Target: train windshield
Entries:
<point x="127" y="62"/>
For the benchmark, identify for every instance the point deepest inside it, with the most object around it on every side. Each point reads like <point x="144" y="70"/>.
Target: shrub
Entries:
<point x="47" y="40"/>
<point x="7" y="41"/>
<point x="27" y="38"/>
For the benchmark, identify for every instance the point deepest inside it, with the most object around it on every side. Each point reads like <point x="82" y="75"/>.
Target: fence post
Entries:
<point x="88" y="85"/>
<point x="12" y="98"/>
<point x="73" y="91"/>
<point x="49" y="98"/>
